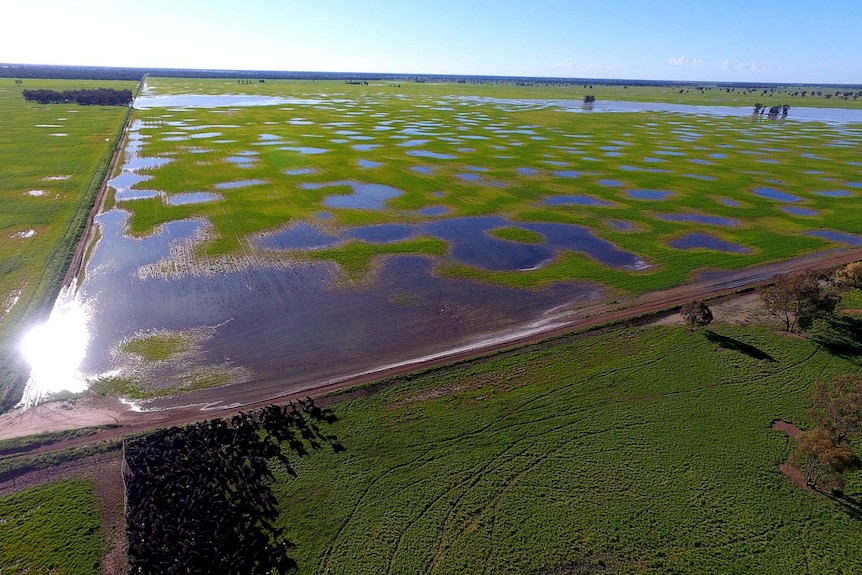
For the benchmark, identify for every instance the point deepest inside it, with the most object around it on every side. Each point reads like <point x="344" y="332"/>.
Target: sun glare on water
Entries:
<point x="55" y="351"/>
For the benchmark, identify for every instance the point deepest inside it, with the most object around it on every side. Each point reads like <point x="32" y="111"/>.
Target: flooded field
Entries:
<point x="277" y="241"/>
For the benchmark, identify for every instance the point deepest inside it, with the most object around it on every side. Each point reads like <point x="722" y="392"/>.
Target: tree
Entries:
<point x="696" y="313"/>
<point x="821" y="459"/>
<point x="851" y="274"/>
<point x="798" y="299"/>
<point x="836" y="406"/>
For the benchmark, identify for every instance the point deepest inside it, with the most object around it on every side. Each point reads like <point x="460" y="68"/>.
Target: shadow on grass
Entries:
<point x="736" y="345"/>
<point x="850" y="505"/>
<point x="842" y="336"/>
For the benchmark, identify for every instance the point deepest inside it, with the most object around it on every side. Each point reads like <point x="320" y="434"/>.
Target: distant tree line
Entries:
<point x="97" y="97"/>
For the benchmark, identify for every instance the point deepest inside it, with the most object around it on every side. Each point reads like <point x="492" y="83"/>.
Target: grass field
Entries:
<point x="754" y="189"/>
<point x="54" y="158"/>
<point x="646" y="450"/>
<point x="53" y="528"/>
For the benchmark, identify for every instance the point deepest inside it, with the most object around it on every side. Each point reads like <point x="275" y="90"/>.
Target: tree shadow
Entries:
<point x="850" y="505"/>
<point x="841" y="335"/>
<point x="736" y="345"/>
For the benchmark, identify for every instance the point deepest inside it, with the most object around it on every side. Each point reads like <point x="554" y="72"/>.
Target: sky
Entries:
<point x="788" y="41"/>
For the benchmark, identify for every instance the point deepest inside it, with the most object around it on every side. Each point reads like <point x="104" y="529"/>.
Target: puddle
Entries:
<point x="777" y="195"/>
<point x="434" y="211"/>
<point x="528" y="171"/>
<point x="368" y="164"/>
<point x="191" y="198"/>
<point x="364" y="196"/>
<point x="568" y="174"/>
<point x="383" y="233"/>
<point x="298" y="236"/>
<point x="469" y="177"/>
<point x="300" y="172"/>
<point x="730" y="203"/>
<point x="306" y="150"/>
<point x="576" y="200"/>
<point x="37" y="193"/>
<point x="622" y="225"/>
<point x="611" y="183"/>
<point x="29" y="233"/>
<point x="709" y="242"/>
<point x="413" y="143"/>
<point x="799" y="211"/>
<point x="648" y="194"/>
<point x="428" y="154"/>
<point x="127" y="195"/>
<point x="366" y="147"/>
<point x="700" y="219"/>
<point x="840" y="237"/>
<point x="238" y="184"/>
<point x="427" y="170"/>
<point x="219" y="101"/>
<point x="576" y="238"/>
<point x="834" y="193"/>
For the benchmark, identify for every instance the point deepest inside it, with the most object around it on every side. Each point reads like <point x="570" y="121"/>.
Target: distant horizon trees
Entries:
<point x="97" y="97"/>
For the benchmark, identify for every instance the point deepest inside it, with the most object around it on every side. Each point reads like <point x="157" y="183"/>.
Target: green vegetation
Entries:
<point x="712" y="165"/>
<point x="19" y="444"/>
<point x="158" y="347"/>
<point x="648" y="450"/>
<point x="53" y="528"/>
<point x="54" y="159"/>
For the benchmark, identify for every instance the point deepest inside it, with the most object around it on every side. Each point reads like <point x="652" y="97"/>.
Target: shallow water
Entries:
<point x="239" y="184"/>
<point x="654" y="195"/>
<point x="576" y="200"/>
<point x="364" y="197"/>
<point x="700" y="219"/>
<point x="191" y="198"/>
<point x="777" y="195"/>
<point x="840" y="237"/>
<point x="429" y="154"/>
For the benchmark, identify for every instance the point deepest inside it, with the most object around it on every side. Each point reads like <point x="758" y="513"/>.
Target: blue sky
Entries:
<point x="731" y="40"/>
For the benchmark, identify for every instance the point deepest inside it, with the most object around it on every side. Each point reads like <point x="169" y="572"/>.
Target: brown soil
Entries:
<point x="794" y="474"/>
<point x="787" y="428"/>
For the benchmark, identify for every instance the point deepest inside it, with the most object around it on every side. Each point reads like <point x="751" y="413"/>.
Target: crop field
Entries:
<point x="54" y="158"/>
<point x="647" y="450"/>
<point x="425" y="216"/>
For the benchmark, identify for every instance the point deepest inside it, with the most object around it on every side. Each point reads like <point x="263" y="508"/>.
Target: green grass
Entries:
<point x="32" y="268"/>
<point x="738" y="155"/>
<point x="648" y="449"/>
<point x="159" y="347"/>
<point x="53" y="528"/>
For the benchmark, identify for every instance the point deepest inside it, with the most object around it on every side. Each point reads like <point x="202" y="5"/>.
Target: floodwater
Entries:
<point x="577" y="201"/>
<point x="777" y="195"/>
<point x="709" y="242"/>
<point x="700" y="219"/>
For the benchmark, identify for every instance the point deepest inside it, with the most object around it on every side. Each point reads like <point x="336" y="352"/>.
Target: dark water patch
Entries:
<point x="323" y="215"/>
<point x="383" y="233"/>
<point x="300" y="171"/>
<point x="576" y="238"/>
<point x="613" y="154"/>
<point x="708" y="242"/>
<point x="650" y="160"/>
<point x="700" y="177"/>
<point x="368" y="163"/>
<point x="701" y="162"/>
<point x="471" y="244"/>
<point x="528" y="171"/>
<point x="469" y="177"/>
<point x="718" y="156"/>
<point x="477" y="169"/>
<point x="700" y="219"/>
<point x="434" y="211"/>
<point x="654" y="195"/>
<point x="366" y="147"/>
<point x="669" y="153"/>
<point x="811" y="156"/>
<point x="611" y="183"/>
<point x="777" y="195"/>
<point x="855" y="184"/>
<point x="427" y="170"/>
<point x="364" y="196"/>
<point x="799" y="211"/>
<point x="466" y="150"/>
<point x="576" y="200"/>
<point x="834" y="193"/>
<point x="430" y="154"/>
<point x="298" y="236"/>
<point x="840" y="237"/>
<point x="238" y="184"/>
<point x="729" y="202"/>
<point x="127" y="180"/>
<point x="191" y="198"/>
<point x="306" y="150"/>
<point x="568" y="174"/>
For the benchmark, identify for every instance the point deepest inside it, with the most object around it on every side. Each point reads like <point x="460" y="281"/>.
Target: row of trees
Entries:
<point x="774" y="111"/>
<point x="97" y="97"/>
<point x="199" y="499"/>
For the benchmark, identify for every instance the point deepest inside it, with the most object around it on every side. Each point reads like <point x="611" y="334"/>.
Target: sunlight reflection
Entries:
<point x="55" y="351"/>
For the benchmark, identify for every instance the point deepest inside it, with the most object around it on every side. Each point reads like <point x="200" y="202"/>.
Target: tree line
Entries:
<point x="97" y="97"/>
